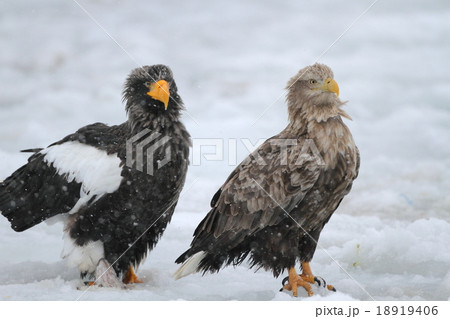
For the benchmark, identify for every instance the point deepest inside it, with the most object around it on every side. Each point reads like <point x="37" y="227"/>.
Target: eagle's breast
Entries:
<point x="335" y="144"/>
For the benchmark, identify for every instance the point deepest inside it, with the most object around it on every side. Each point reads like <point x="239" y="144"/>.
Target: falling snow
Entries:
<point x="389" y="238"/>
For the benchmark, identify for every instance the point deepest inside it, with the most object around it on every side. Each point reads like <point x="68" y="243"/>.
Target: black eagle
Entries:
<point x="115" y="187"/>
<point x="274" y="205"/>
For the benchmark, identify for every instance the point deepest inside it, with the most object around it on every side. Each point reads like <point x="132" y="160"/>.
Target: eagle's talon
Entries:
<point x="294" y="281"/>
<point x="320" y="281"/>
<point x="285" y="281"/>
<point x="317" y="280"/>
<point x="331" y="288"/>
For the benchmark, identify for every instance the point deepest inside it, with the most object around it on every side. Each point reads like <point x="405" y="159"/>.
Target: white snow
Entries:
<point x="389" y="238"/>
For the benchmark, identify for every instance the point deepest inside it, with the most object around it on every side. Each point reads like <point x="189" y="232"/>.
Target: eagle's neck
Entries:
<point x="140" y="119"/>
<point x="325" y="127"/>
<point x="307" y="112"/>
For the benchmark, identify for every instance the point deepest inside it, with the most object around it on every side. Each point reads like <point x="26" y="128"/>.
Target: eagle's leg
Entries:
<point x="295" y="281"/>
<point x="309" y="277"/>
<point x="87" y="279"/>
<point x="130" y="277"/>
<point x="307" y="273"/>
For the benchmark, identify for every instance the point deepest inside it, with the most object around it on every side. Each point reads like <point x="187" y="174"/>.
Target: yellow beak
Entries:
<point x="160" y="91"/>
<point x="330" y="85"/>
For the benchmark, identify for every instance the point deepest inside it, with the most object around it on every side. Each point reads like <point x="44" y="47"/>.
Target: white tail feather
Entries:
<point x="190" y="265"/>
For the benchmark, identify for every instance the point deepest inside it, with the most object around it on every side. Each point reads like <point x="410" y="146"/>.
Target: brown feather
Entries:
<point x="276" y="202"/>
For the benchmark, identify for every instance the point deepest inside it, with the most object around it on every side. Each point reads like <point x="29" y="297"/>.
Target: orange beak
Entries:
<point x="160" y="91"/>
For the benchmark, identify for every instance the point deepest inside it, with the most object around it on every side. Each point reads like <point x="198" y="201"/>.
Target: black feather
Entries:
<point x="129" y="221"/>
<point x="32" y="150"/>
<point x="35" y="192"/>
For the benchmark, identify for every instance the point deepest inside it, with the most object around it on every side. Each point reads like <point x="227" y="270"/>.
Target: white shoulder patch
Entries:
<point x="98" y="172"/>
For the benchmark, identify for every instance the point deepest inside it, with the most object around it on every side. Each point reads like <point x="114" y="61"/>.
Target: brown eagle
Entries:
<point x="274" y="205"/>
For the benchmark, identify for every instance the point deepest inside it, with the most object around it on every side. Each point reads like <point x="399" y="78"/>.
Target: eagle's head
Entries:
<point x="313" y="94"/>
<point x="150" y="92"/>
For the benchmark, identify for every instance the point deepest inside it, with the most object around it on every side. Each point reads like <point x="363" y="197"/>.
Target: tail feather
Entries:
<point x="190" y="265"/>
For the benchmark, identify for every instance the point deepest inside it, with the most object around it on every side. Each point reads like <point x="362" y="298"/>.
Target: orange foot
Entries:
<point x="130" y="277"/>
<point x="304" y="280"/>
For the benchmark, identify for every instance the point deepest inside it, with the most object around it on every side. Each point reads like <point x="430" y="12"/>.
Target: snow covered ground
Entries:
<point x="389" y="240"/>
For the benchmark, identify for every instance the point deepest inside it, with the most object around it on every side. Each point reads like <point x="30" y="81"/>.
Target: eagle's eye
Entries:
<point x="312" y="81"/>
<point x="147" y="84"/>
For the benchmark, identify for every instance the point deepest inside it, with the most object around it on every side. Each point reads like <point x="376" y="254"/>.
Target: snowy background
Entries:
<point x="390" y="238"/>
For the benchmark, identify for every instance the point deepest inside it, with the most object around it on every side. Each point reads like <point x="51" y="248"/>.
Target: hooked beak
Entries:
<point x="330" y="85"/>
<point x="160" y="91"/>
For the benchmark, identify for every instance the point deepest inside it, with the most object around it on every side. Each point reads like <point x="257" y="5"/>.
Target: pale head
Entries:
<point x="313" y="94"/>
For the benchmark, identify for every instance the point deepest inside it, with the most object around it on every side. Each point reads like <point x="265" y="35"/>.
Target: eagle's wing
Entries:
<point x="36" y="192"/>
<point x="262" y="190"/>
<point x="60" y="179"/>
